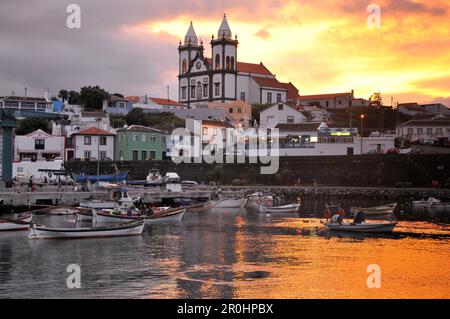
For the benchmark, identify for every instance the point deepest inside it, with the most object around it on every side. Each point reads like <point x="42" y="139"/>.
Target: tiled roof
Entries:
<point x="269" y="83"/>
<point x="165" y="101"/>
<point x="253" y="68"/>
<point x="139" y="128"/>
<point x="217" y="123"/>
<point x="323" y="96"/>
<point x="298" y="127"/>
<point x="94" y="131"/>
<point x="116" y="98"/>
<point x="292" y="91"/>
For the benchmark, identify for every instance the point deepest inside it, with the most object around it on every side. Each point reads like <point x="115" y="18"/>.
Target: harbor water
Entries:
<point x="234" y="253"/>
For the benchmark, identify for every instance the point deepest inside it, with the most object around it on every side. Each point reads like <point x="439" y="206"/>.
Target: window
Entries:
<point x="102" y="140"/>
<point x="152" y="155"/>
<point x="419" y="130"/>
<point x="193" y="92"/>
<point x="152" y="138"/>
<point x="39" y="144"/>
<point x="217" y="89"/>
<point x="269" y="98"/>
<point x="239" y="110"/>
<point x="205" y="131"/>
<point x="199" y="90"/>
<point x="327" y="103"/>
<point x="184" y="67"/>
<point x="224" y="134"/>
<point x="217" y="62"/>
<point x="429" y="130"/>
<point x="135" y="137"/>
<point x="339" y="102"/>
<point x="87" y="140"/>
<point x="439" y="130"/>
<point x="232" y="63"/>
<point x="228" y="63"/>
<point x="121" y="155"/>
<point x="280" y="107"/>
<point x="278" y="97"/>
<point x="290" y="120"/>
<point x="144" y="155"/>
<point x="103" y="155"/>
<point x="87" y="154"/>
<point x="183" y="92"/>
<point x="135" y="155"/>
<point x="121" y="105"/>
<point x="230" y="110"/>
<point x="215" y="132"/>
<point x="243" y="96"/>
<point x="410" y="130"/>
<point x="143" y="138"/>
<point x="205" y="90"/>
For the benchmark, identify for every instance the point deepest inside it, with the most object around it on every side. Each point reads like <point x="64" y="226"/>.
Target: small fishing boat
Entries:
<point x="201" y="207"/>
<point x="126" y="229"/>
<point x="431" y="202"/>
<point x="154" y="178"/>
<point x="381" y="227"/>
<point x="166" y="215"/>
<point x="20" y="222"/>
<point x="291" y="208"/>
<point x="122" y="200"/>
<point x="258" y="199"/>
<point x="232" y="203"/>
<point x="374" y="211"/>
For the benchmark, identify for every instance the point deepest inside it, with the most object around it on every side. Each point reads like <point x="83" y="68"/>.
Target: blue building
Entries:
<point x="117" y="105"/>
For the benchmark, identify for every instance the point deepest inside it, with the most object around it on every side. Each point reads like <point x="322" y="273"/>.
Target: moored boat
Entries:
<point x="257" y="199"/>
<point x="431" y="202"/>
<point x="291" y="208"/>
<point x="126" y="229"/>
<point x="232" y="203"/>
<point x="201" y="207"/>
<point x="387" y="209"/>
<point x="82" y="178"/>
<point x="381" y="227"/>
<point x="169" y="216"/>
<point x="17" y="223"/>
<point x="165" y="215"/>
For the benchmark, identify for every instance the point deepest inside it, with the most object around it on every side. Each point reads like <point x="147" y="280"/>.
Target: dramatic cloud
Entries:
<point x="131" y="46"/>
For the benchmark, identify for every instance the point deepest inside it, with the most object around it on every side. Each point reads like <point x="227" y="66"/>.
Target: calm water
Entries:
<point x="232" y="254"/>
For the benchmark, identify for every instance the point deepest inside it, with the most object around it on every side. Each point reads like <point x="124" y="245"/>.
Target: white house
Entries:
<point x="38" y="145"/>
<point x="93" y="143"/>
<point x="222" y="77"/>
<point x="426" y="130"/>
<point x="313" y="113"/>
<point x="280" y="113"/>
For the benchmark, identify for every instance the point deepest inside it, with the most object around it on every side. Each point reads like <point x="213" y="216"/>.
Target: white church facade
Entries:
<point x="222" y="78"/>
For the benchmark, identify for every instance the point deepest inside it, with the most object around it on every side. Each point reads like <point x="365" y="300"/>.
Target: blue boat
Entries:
<point x="119" y="177"/>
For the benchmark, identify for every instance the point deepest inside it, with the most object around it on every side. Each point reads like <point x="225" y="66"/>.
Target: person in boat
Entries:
<point x="341" y="212"/>
<point x="336" y="219"/>
<point x="327" y="213"/>
<point x="359" y="218"/>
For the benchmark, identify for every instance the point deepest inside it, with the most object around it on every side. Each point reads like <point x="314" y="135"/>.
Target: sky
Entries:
<point x="326" y="46"/>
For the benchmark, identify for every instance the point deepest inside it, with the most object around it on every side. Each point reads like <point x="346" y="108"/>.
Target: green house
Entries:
<point x="138" y="143"/>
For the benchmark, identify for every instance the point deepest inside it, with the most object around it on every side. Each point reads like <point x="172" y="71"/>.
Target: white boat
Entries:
<point x="430" y="202"/>
<point x="387" y="209"/>
<point x="201" y="207"/>
<point x="126" y="229"/>
<point x="15" y="223"/>
<point x="258" y="199"/>
<point x="122" y="201"/>
<point x="154" y="178"/>
<point x="382" y="227"/>
<point x="232" y="203"/>
<point x="291" y="208"/>
<point x="167" y="215"/>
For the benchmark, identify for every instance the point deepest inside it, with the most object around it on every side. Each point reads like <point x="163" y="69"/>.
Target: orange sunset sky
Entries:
<point x="327" y="46"/>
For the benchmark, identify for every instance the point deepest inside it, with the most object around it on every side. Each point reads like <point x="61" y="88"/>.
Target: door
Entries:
<point x="349" y="150"/>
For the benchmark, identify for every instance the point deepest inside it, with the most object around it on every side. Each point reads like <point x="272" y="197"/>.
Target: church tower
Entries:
<point x="224" y="64"/>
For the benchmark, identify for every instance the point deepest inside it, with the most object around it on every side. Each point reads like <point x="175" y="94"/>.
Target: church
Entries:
<point x="222" y="78"/>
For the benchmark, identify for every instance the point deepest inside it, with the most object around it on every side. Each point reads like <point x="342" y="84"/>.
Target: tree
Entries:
<point x="74" y="97"/>
<point x="376" y="100"/>
<point x="63" y="95"/>
<point x="135" y="116"/>
<point x="165" y="121"/>
<point x="29" y="125"/>
<point x="92" y="97"/>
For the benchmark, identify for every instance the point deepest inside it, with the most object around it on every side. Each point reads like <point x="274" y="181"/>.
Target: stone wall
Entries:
<point x="417" y="170"/>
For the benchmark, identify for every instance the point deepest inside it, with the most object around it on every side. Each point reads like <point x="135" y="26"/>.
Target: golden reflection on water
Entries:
<point x="313" y="266"/>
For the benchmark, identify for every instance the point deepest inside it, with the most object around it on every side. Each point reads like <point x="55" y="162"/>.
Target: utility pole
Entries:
<point x="168" y="93"/>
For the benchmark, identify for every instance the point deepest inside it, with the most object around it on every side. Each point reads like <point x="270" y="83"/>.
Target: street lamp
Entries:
<point x="362" y="119"/>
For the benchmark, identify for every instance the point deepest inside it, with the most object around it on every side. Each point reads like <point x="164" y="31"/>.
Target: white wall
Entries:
<point x="279" y="117"/>
<point x="26" y="144"/>
<point x="80" y="148"/>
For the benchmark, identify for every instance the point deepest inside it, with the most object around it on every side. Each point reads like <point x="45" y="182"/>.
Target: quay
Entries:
<point x="66" y="195"/>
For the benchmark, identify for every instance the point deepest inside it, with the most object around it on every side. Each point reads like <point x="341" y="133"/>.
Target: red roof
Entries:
<point x="268" y="83"/>
<point x="165" y="101"/>
<point x="94" y="131"/>
<point x="254" y="68"/>
<point x="133" y="98"/>
<point x="323" y="96"/>
<point x="292" y="91"/>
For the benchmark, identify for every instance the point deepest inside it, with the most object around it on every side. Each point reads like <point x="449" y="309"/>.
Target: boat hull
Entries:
<point x="129" y="229"/>
<point x="232" y="203"/>
<point x="80" y="178"/>
<point x="174" y="217"/>
<point x="363" y="228"/>
<point x="8" y="225"/>
<point x="201" y="208"/>
<point x="294" y="208"/>
<point x="374" y="211"/>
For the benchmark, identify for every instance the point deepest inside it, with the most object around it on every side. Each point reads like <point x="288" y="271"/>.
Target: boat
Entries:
<point x="154" y="178"/>
<point x="20" y="222"/>
<point x="387" y="209"/>
<point x="381" y="227"/>
<point x="122" y="200"/>
<point x="201" y="207"/>
<point x="126" y="229"/>
<point x="166" y="215"/>
<point x="291" y="208"/>
<point x="232" y="203"/>
<point x="431" y="202"/>
<point x="257" y="199"/>
<point x="118" y="177"/>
